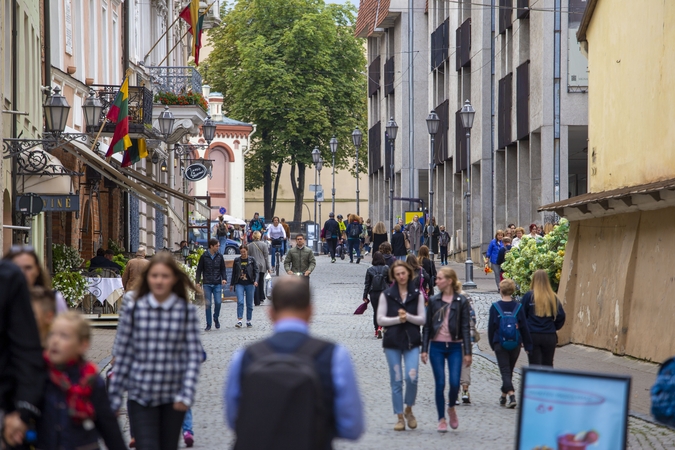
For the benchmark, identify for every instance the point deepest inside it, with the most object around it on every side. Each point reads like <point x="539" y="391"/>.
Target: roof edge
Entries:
<point x="586" y="20"/>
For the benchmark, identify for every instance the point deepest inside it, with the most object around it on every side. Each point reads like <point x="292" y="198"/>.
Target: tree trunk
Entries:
<point x="298" y="186"/>
<point x="276" y="188"/>
<point x="267" y="192"/>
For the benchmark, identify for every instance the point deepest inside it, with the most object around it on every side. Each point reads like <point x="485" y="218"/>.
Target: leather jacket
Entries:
<point x="251" y="271"/>
<point x="459" y="321"/>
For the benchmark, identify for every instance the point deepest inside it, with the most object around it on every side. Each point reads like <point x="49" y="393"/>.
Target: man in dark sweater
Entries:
<point x="332" y="231"/>
<point x="211" y="274"/>
<point x="22" y="372"/>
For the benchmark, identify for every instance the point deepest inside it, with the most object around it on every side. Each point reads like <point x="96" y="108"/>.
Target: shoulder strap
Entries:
<point x="312" y="347"/>
<point x="260" y="350"/>
<point x="499" y="309"/>
<point x="515" y="313"/>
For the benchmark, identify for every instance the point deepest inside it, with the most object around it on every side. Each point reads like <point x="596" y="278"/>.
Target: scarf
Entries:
<point x="78" y="396"/>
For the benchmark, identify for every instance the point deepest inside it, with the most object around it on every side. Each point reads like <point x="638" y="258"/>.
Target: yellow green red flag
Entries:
<point x="119" y="113"/>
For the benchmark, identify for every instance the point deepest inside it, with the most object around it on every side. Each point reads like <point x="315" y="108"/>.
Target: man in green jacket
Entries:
<point x="300" y="259"/>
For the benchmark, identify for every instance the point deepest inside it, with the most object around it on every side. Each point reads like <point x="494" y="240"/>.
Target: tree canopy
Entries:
<point x="295" y="69"/>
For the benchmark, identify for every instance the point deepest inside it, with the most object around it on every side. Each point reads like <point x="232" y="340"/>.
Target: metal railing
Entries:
<point x="140" y="107"/>
<point x="175" y="79"/>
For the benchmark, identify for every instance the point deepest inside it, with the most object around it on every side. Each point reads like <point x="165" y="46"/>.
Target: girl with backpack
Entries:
<point x="447" y="337"/>
<point x="545" y="316"/>
<point x="377" y="280"/>
<point x="157" y="354"/>
<point x="428" y="265"/>
<point x="421" y="278"/>
<point x="507" y="332"/>
<point x="401" y="311"/>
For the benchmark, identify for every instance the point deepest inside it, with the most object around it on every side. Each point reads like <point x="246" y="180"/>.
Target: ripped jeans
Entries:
<point x="411" y="362"/>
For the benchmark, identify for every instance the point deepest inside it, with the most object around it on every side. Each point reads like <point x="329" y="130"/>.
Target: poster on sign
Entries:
<point x="568" y="410"/>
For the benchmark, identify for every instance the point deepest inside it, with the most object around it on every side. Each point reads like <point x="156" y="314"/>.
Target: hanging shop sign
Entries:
<point x="195" y="172"/>
<point x="35" y="204"/>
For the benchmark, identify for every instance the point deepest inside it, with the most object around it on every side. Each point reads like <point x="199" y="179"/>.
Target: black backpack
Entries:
<point x="354" y="231"/>
<point x="222" y="229"/>
<point x="285" y="392"/>
<point x="379" y="282"/>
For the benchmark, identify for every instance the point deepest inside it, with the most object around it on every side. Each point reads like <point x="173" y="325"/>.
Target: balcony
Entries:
<point x="140" y="110"/>
<point x="175" y="79"/>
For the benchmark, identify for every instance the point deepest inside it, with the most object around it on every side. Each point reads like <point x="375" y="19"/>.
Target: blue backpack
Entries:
<point x="663" y="394"/>
<point x="509" y="336"/>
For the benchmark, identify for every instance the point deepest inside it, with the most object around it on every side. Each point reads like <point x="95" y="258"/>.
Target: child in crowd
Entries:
<point x="465" y="377"/>
<point x="76" y="411"/>
<point x="501" y="256"/>
<point x="43" y="302"/>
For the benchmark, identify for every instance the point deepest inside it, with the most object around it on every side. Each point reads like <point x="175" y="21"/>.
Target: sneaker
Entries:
<point x="502" y="400"/>
<point x="351" y="261"/>
<point x="466" y="398"/>
<point x="512" y="402"/>
<point x="442" y="426"/>
<point x="332" y="260"/>
<point x="358" y="260"/>
<point x="189" y="439"/>
<point x="215" y="321"/>
<point x="208" y="328"/>
<point x="379" y="333"/>
<point x="410" y="418"/>
<point x="239" y="324"/>
<point x="456" y="402"/>
<point x="249" y="325"/>
<point x="454" y="420"/>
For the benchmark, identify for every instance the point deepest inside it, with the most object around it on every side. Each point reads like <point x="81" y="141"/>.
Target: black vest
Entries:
<point x="403" y="336"/>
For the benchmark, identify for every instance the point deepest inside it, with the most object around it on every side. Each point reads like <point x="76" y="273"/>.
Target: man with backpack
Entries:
<point x="507" y="332"/>
<point x="221" y="234"/>
<point x="354" y="230"/>
<point x="331" y="231"/>
<point x="303" y="389"/>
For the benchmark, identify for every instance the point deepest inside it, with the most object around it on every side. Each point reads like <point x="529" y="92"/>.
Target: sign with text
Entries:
<point x="567" y="410"/>
<point x="195" y="172"/>
<point x="51" y="203"/>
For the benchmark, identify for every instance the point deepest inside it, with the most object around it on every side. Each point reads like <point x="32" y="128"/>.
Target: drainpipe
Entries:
<point x="556" y="101"/>
<point x="15" y="94"/>
<point x="411" y="105"/>
<point x="125" y="36"/>
<point x="48" y="82"/>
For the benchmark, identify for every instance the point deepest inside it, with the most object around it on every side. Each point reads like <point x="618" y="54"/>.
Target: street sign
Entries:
<point x="315" y="187"/>
<point x="319" y="196"/>
<point x="30" y="204"/>
<point x="195" y="172"/>
<point x="222" y="210"/>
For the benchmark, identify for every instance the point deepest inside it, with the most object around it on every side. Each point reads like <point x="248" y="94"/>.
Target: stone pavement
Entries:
<point x="337" y="290"/>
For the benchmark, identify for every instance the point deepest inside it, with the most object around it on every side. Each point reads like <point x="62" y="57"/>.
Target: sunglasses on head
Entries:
<point x="21" y="249"/>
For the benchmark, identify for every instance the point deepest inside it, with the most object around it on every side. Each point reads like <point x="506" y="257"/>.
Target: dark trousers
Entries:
<point x="354" y="244"/>
<point x="444" y="254"/>
<point x="332" y="245"/>
<point x="506" y="360"/>
<point x="157" y="427"/>
<point x="374" y="301"/>
<point x="259" y="295"/>
<point x="543" y="349"/>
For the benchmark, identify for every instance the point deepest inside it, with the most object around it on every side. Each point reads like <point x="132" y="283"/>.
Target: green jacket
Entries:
<point x="298" y="260"/>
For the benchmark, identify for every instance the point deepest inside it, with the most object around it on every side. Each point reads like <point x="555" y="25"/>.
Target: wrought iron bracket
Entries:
<point x="32" y="160"/>
<point x="184" y="149"/>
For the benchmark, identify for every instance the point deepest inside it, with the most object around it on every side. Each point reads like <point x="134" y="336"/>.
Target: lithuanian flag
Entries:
<point x="119" y="113"/>
<point x="190" y="14"/>
<point x="135" y="153"/>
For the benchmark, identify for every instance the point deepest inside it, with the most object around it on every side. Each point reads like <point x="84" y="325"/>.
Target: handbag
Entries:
<point x="422" y="290"/>
<point x="268" y="286"/>
<point x="361" y="308"/>
<point x="407" y="244"/>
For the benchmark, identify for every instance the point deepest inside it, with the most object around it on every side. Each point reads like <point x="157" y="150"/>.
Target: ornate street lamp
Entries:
<point x="209" y="129"/>
<point x="392" y="130"/>
<point x="316" y="157"/>
<point x="432" y="125"/>
<point x="166" y="121"/>
<point x="356" y="139"/>
<point x="56" y="109"/>
<point x="92" y="110"/>
<point x="333" y="151"/>
<point x="467" y="115"/>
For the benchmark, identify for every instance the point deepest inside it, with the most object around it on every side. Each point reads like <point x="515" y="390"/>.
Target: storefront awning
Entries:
<point x="202" y="209"/>
<point x="158" y="186"/>
<point x="53" y="179"/>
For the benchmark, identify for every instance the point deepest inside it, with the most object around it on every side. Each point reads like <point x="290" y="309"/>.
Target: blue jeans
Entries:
<point x="223" y="244"/>
<point x="284" y="247"/>
<point x="248" y="290"/>
<point x="215" y="291"/>
<point x="273" y="251"/>
<point x="439" y="352"/>
<point x="354" y="244"/>
<point x="411" y="359"/>
<point x="187" y="422"/>
<point x="401" y="258"/>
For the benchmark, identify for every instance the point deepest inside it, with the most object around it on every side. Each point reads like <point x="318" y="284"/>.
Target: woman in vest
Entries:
<point x="401" y="312"/>
<point x="377" y="280"/>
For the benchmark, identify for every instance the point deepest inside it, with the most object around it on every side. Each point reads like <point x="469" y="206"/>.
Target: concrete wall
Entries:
<point x="631" y="79"/>
<point x="617" y="284"/>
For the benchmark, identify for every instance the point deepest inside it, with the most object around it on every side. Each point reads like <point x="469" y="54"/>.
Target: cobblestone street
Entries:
<point x="337" y="290"/>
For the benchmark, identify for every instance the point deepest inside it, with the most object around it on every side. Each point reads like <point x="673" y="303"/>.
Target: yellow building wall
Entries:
<point x="631" y="48"/>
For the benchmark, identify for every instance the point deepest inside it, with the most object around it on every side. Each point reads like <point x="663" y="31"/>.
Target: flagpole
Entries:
<point x="160" y="38"/>
<point x="173" y="48"/>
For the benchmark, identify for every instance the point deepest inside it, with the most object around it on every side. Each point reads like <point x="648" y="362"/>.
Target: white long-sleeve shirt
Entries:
<point x="277" y="232"/>
<point x="385" y="321"/>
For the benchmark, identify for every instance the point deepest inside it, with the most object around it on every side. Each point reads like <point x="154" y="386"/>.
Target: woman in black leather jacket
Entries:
<point x="446" y="336"/>
<point x="377" y="280"/>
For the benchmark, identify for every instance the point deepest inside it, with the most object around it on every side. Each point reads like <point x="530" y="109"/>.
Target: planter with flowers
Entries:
<point x="67" y="279"/>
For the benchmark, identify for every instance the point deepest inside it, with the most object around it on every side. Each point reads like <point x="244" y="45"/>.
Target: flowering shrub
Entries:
<point x="72" y="285"/>
<point x="194" y="258"/>
<point x="187" y="98"/>
<point x="65" y="258"/>
<point x="547" y="253"/>
<point x="190" y="271"/>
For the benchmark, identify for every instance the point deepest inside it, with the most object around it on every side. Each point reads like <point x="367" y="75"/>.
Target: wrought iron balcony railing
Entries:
<point x="175" y="79"/>
<point x="140" y="109"/>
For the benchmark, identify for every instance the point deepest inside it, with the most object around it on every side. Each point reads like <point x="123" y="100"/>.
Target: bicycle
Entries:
<point x="277" y="256"/>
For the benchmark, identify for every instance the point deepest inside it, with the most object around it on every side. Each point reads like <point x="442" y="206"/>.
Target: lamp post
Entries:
<point x="319" y="166"/>
<point x="333" y="150"/>
<point x="166" y="121"/>
<point x="56" y="109"/>
<point x="92" y="110"/>
<point x="432" y="125"/>
<point x="316" y="157"/>
<point x="392" y="130"/>
<point x="209" y="130"/>
<point x="356" y="139"/>
<point x="467" y="114"/>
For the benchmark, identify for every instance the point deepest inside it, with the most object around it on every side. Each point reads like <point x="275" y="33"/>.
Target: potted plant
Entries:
<point x="181" y="99"/>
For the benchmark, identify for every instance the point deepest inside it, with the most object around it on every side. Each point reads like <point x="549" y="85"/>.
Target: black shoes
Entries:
<point x="208" y="328"/>
<point x="215" y="321"/>
<point x="502" y="400"/>
<point x="512" y="402"/>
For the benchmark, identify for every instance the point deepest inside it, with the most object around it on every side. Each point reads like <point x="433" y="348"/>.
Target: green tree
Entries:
<point x="295" y="69"/>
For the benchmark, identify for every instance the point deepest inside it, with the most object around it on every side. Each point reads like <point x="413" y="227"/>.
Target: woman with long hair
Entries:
<point x="377" y="280"/>
<point x="421" y="278"/>
<point x="545" y="316"/>
<point x="259" y="251"/>
<point x="492" y="254"/>
<point x="157" y="354"/>
<point x="398" y="243"/>
<point x="29" y="263"/>
<point x="379" y="235"/>
<point x="429" y="266"/>
<point x="447" y="337"/>
<point x="401" y="312"/>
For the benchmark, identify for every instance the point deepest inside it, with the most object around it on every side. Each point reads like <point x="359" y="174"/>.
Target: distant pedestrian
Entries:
<point x="354" y="231"/>
<point x="520" y="232"/>
<point x="259" y="251"/>
<point x="287" y="229"/>
<point x="134" y="269"/>
<point x="385" y="249"/>
<point x="421" y="278"/>
<point x="367" y="237"/>
<point x="263" y="387"/>
<point x="432" y="241"/>
<point x="75" y="383"/>
<point x="507" y="332"/>
<point x="277" y="236"/>
<point x="398" y="243"/>
<point x="343" y="227"/>
<point x="533" y="231"/>
<point x="222" y="233"/>
<point x="545" y="316"/>
<point x="428" y="264"/>
<point x="244" y="280"/>
<point x="401" y="312"/>
<point x="501" y="255"/>
<point x="157" y="354"/>
<point x="447" y="340"/>
<point x="379" y="236"/>
<point x="493" y="252"/>
<point x="415" y="233"/>
<point x="332" y="233"/>
<point x="377" y="280"/>
<point x="212" y="275"/>
<point x="443" y="243"/>
<point x="300" y="259"/>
